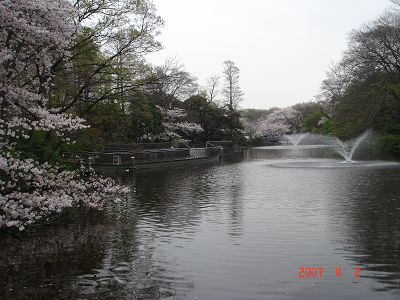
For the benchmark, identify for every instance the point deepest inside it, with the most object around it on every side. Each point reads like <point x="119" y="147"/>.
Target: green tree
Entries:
<point x="146" y="118"/>
<point x="218" y="123"/>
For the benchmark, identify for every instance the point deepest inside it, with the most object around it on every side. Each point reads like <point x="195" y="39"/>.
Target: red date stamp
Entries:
<point x="319" y="272"/>
<point x="311" y="273"/>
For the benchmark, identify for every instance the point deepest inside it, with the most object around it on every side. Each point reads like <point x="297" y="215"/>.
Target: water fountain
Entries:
<point x="316" y="151"/>
<point x="295" y="139"/>
<point x="347" y="148"/>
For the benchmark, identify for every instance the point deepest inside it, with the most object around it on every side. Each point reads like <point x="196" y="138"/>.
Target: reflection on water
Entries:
<point x="239" y="230"/>
<point x="291" y="152"/>
<point x="365" y="218"/>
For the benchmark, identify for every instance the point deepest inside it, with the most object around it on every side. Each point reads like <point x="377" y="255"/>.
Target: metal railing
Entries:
<point x="204" y="152"/>
<point x="128" y="158"/>
<point x="198" y="152"/>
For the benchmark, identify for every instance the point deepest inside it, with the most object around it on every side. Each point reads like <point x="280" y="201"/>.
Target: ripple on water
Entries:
<point x="331" y="164"/>
<point x="234" y="231"/>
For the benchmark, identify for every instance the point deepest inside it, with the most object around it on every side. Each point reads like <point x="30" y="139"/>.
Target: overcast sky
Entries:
<point x="282" y="47"/>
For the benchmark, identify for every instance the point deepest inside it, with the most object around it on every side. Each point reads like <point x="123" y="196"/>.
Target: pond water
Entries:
<point x="241" y="229"/>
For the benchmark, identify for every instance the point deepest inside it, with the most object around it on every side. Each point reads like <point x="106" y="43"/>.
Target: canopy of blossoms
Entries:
<point x="174" y="125"/>
<point x="34" y="40"/>
<point x="281" y="121"/>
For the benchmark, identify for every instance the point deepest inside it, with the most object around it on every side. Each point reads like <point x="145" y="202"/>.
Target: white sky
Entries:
<point x="282" y="47"/>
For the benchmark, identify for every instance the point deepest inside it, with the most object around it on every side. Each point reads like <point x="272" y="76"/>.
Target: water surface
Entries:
<point x="238" y="230"/>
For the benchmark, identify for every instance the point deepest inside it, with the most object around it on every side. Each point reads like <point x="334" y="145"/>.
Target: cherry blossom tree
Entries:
<point x="253" y="127"/>
<point x="274" y="125"/>
<point x="282" y="121"/>
<point x="35" y="36"/>
<point x="174" y="124"/>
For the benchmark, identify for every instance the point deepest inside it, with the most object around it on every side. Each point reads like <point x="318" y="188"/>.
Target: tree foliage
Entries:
<point x="36" y="38"/>
<point x="362" y="90"/>
<point x="74" y="76"/>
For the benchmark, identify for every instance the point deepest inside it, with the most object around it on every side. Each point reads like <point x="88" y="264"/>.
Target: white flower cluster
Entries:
<point x="19" y="126"/>
<point x="280" y="121"/>
<point x="31" y="191"/>
<point x="174" y="125"/>
<point x="253" y="127"/>
<point x="34" y="37"/>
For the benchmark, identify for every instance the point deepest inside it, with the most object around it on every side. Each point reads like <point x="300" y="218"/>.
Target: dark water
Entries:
<point x="239" y="230"/>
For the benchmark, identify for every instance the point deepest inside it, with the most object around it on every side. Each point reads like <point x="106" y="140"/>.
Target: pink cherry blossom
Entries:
<point x="174" y="124"/>
<point x="34" y="38"/>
